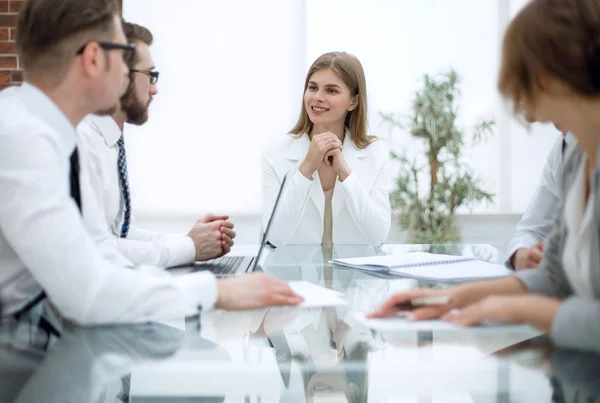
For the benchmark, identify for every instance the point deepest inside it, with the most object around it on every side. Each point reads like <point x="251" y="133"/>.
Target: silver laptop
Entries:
<point x="228" y="265"/>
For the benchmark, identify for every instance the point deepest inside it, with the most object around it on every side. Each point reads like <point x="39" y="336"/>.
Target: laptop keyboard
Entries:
<point x="222" y="265"/>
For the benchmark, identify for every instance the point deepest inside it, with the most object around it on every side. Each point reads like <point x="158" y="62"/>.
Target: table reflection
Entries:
<point x="86" y="364"/>
<point x="299" y="355"/>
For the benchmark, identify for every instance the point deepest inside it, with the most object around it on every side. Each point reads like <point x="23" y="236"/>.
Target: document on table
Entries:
<point x="454" y="273"/>
<point x="399" y="323"/>
<point x="399" y="260"/>
<point x="427" y="266"/>
<point x="315" y="296"/>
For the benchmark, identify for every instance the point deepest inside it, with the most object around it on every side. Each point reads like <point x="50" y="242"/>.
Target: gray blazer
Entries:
<point x="577" y="324"/>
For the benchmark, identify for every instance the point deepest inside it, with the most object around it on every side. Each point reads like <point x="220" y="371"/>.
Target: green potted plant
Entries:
<point x="431" y="186"/>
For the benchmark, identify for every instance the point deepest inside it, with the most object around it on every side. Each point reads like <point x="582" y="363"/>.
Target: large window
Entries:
<point x="232" y="74"/>
<point x="230" y="80"/>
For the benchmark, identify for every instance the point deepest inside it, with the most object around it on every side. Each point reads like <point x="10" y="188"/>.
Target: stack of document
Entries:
<point x="427" y="266"/>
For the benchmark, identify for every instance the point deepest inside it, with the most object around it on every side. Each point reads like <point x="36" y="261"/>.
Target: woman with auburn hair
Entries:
<point x="336" y="192"/>
<point x="550" y="72"/>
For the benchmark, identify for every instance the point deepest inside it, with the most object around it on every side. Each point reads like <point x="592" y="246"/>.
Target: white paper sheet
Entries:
<point x="314" y="295"/>
<point x="398" y="323"/>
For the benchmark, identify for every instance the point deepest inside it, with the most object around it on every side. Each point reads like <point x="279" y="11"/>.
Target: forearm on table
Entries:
<point x="467" y="294"/>
<point x="539" y="311"/>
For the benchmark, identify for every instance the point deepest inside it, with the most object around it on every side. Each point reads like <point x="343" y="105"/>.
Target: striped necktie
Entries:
<point x="122" y="167"/>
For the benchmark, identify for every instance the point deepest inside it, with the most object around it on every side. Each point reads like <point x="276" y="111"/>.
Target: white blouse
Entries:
<point x="579" y="221"/>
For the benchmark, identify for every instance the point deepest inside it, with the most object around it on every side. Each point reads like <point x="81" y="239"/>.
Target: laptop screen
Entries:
<point x="263" y="241"/>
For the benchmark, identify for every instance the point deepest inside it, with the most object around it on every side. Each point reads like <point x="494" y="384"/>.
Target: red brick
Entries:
<point x="8" y="48"/>
<point x="4" y="34"/>
<point x="8" y="62"/>
<point x="17" y="76"/>
<point x="13" y="34"/>
<point x="4" y="76"/>
<point x="3" y="86"/>
<point x="15" y="6"/>
<point x="3" y="6"/>
<point x="8" y="20"/>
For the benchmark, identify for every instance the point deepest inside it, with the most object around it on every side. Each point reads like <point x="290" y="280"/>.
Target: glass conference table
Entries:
<point x="298" y="355"/>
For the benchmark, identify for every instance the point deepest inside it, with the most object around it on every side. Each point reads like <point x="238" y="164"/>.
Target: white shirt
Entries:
<point x="579" y="221"/>
<point x="538" y="220"/>
<point x="360" y="205"/>
<point x="43" y="241"/>
<point x="97" y="142"/>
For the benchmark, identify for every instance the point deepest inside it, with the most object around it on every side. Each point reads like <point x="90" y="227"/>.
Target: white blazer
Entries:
<point x="360" y="205"/>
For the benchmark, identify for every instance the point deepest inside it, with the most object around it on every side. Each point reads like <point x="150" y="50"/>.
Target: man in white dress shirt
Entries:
<point x="526" y="245"/>
<point x="73" y="55"/>
<point x="101" y="141"/>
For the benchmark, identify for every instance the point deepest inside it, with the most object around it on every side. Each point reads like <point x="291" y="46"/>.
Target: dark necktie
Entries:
<point x="122" y="167"/>
<point x="74" y="178"/>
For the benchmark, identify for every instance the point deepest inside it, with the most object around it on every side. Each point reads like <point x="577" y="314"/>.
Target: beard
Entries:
<point x="135" y="110"/>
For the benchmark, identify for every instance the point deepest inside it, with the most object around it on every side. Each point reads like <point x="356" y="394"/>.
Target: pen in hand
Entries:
<point x="407" y="308"/>
<point x="424" y="301"/>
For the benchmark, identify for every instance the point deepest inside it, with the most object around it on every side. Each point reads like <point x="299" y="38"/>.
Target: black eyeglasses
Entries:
<point x="128" y="49"/>
<point x="152" y="74"/>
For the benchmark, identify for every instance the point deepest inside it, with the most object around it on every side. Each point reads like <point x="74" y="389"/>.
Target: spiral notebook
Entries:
<point x="426" y="266"/>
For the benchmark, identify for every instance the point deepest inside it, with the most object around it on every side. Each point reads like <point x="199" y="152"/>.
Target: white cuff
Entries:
<point x="523" y="241"/>
<point x="301" y="182"/>
<point x="198" y="289"/>
<point x="350" y="182"/>
<point x="181" y="250"/>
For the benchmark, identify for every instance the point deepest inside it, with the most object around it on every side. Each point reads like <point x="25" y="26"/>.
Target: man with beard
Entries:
<point x="102" y="138"/>
<point x="73" y="54"/>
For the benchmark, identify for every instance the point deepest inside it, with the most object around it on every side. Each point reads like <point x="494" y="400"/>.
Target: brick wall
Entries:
<point x="10" y="74"/>
<point x="9" y="65"/>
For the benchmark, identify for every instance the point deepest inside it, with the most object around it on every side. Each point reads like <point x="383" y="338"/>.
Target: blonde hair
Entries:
<point x="350" y="71"/>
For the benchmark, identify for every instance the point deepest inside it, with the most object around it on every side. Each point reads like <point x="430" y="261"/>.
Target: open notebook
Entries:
<point x="427" y="266"/>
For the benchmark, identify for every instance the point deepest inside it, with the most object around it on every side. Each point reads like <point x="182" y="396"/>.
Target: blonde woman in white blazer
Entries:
<point x="336" y="192"/>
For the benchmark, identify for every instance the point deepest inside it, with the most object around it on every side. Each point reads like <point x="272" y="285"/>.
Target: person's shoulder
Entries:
<point x="278" y="143"/>
<point x="12" y="107"/>
<point x="16" y="118"/>
<point x="378" y="147"/>
<point x="9" y="95"/>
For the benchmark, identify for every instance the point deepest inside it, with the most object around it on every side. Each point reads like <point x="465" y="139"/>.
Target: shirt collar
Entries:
<point x="570" y="139"/>
<point x="46" y="110"/>
<point x="108" y="128"/>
